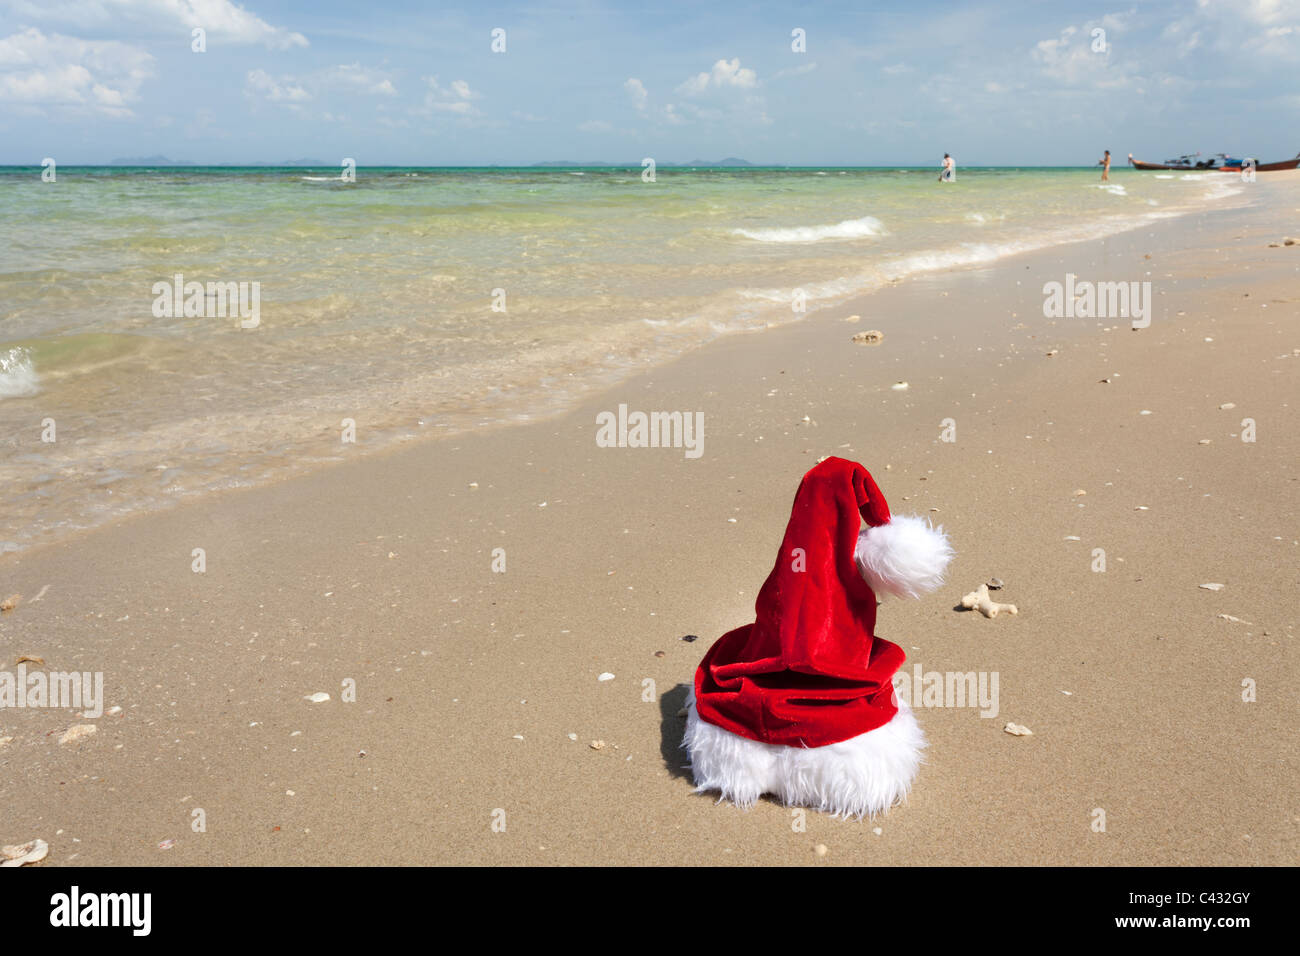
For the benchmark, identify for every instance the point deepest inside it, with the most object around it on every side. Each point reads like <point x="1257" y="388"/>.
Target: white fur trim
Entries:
<point x="904" y="557"/>
<point x="861" y="776"/>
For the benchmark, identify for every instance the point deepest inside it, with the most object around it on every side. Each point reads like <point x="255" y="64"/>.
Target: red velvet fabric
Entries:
<point x="809" y="672"/>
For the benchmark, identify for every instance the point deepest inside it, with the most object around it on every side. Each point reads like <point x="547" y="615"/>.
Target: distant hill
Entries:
<point x="164" y="161"/>
<point x="729" y="161"/>
<point x="321" y="163"/>
<point x="151" y="161"/>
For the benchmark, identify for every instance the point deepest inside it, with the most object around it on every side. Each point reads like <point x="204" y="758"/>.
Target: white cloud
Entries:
<point x="897" y="69"/>
<point x="1051" y="49"/>
<point x="455" y="99"/>
<point x="323" y="85"/>
<point x="641" y="101"/>
<point x="354" y="76"/>
<point x="39" y="70"/>
<point x="224" y="21"/>
<point x="1072" y="61"/>
<point x="285" y="89"/>
<point x="1246" y="31"/>
<point x="636" y="89"/>
<point x="725" y="74"/>
<point x="595" y="126"/>
<point x="1258" y="11"/>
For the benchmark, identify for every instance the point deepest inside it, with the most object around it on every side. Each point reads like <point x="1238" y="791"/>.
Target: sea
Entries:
<point x="385" y="305"/>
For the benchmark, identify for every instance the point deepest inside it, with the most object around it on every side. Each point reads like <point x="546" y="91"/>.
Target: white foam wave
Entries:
<point x="864" y="228"/>
<point x="18" y="378"/>
<point x="969" y="254"/>
<point x="321" y="179"/>
<point x="1222" y="188"/>
<point x="670" y="323"/>
<point x="1114" y="189"/>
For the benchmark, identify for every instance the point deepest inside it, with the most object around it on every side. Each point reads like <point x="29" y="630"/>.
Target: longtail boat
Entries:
<point x="1220" y="162"/>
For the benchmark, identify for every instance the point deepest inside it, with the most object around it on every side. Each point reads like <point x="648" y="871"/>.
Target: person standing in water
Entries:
<point x="949" y="173"/>
<point x="1104" y="163"/>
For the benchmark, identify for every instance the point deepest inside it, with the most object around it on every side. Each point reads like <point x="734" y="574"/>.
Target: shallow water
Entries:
<point x="376" y="298"/>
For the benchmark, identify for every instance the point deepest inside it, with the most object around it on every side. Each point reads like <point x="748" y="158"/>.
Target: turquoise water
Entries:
<point x="376" y="298"/>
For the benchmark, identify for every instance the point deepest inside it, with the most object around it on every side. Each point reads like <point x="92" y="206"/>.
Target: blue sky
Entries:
<point x="85" y="81"/>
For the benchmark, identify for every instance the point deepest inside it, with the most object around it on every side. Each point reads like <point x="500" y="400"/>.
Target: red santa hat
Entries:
<point x="800" y="703"/>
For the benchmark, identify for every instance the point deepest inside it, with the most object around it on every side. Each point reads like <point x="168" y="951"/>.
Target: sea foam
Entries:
<point x="864" y="228"/>
<point x="18" y="378"/>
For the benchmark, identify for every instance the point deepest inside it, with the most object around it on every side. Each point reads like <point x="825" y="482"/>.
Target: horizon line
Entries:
<point x="545" y="164"/>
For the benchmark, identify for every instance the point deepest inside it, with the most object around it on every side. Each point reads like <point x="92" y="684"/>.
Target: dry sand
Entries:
<point x="379" y="571"/>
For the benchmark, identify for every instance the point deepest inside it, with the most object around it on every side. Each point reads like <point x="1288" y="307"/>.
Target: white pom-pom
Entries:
<point x="904" y="557"/>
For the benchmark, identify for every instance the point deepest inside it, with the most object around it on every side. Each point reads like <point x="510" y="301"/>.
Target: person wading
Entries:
<point x="949" y="173"/>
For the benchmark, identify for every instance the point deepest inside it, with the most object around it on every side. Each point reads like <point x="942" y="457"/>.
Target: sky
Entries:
<point x="392" y="82"/>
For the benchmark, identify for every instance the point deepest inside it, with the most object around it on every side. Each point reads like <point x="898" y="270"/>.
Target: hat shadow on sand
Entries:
<point x="671" y="731"/>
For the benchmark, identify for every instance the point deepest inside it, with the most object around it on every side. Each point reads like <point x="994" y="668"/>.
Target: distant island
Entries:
<point x="322" y="164"/>
<point x="164" y="161"/>
<point x="151" y="161"/>
<point x="729" y="161"/>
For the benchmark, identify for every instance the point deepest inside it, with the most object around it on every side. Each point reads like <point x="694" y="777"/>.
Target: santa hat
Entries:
<point x="800" y="703"/>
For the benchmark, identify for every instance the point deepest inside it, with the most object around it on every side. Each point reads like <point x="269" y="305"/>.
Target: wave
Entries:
<point x="321" y="179"/>
<point x="18" y="378"/>
<point x="963" y="256"/>
<point x="864" y="228"/>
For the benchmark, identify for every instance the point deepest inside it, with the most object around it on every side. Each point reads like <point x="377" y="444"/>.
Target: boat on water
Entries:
<point x="1219" y="162"/>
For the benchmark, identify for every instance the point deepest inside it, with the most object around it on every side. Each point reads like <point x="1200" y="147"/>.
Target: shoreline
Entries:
<point x="383" y="438"/>
<point x="379" y="571"/>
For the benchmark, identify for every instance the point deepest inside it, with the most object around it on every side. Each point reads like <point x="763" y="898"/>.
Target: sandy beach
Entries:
<point x="478" y="695"/>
